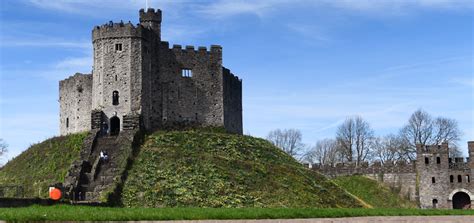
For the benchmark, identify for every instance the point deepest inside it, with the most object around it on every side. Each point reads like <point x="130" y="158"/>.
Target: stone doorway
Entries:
<point x="461" y="200"/>
<point x="114" y="126"/>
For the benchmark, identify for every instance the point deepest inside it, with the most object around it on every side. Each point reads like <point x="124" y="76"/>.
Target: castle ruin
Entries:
<point x="138" y="81"/>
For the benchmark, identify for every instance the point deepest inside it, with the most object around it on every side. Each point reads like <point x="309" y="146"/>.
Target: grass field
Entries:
<point x="86" y="213"/>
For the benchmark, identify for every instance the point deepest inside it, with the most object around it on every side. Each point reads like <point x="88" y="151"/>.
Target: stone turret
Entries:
<point x="151" y="19"/>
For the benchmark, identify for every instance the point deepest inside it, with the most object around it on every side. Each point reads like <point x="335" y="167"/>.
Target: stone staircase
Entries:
<point x="90" y="179"/>
<point x="102" y="172"/>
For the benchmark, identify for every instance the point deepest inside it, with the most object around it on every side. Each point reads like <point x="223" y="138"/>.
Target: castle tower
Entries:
<point x="432" y="166"/>
<point x="119" y="70"/>
<point x="151" y="19"/>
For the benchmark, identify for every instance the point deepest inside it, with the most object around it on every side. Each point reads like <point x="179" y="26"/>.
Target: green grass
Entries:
<point x="85" y="213"/>
<point x="42" y="164"/>
<point x="213" y="169"/>
<point x="372" y="192"/>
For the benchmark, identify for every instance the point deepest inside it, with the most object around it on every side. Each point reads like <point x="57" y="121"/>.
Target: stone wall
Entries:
<point x="75" y="104"/>
<point x="232" y="102"/>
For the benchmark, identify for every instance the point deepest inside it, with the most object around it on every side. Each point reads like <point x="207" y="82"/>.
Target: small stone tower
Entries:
<point x="138" y="81"/>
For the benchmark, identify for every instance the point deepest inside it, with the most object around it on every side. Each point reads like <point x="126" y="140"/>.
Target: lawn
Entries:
<point x="87" y="213"/>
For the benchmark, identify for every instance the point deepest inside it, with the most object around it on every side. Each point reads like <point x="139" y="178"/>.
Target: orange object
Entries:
<point x="55" y="194"/>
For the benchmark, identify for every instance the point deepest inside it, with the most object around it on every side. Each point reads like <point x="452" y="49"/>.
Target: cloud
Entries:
<point x="469" y="82"/>
<point x="92" y="7"/>
<point x="224" y="8"/>
<point x="44" y="42"/>
<point x="230" y="8"/>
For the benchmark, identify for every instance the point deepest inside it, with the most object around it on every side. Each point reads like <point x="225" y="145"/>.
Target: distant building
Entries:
<point x="138" y="81"/>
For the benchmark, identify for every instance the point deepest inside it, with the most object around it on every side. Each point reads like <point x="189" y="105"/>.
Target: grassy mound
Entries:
<point x="42" y="164"/>
<point x="204" y="169"/>
<point x="372" y="192"/>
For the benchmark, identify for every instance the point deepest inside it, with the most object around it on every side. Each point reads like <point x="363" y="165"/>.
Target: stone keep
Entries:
<point x="139" y="81"/>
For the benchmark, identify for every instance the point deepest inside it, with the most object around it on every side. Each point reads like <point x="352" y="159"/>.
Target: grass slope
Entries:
<point x="85" y="213"/>
<point x="204" y="169"/>
<point x="372" y="192"/>
<point x="42" y="164"/>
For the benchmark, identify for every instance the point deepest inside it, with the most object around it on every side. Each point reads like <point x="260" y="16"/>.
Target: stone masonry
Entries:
<point x="137" y="75"/>
<point x="435" y="180"/>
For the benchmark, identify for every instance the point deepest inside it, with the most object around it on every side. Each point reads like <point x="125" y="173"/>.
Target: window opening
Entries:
<point x="115" y="98"/>
<point x="459" y="179"/>
<point x="433" y="180"/>
<point x="427" y="161"/>
<point x="451" y="179"/>
<point x="438" y="160"/>
<point x="186" y="73"/>
<point x="118" y="47"/>
<point x="67" y="122"/>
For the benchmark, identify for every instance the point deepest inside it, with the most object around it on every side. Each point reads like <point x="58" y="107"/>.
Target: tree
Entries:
<point x="354" y="136"/>
<point x="424" y="130"/>
<point x="325" y="152"/>
<point x="388" y="149"/>
<point x="289" y="140"/>
<point x="3" y="147"/>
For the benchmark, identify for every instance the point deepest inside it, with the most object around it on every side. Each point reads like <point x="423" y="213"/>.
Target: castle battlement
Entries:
<point x="75" y="77"/>
<point x="120" y="30"/>
<point x="443" y="148"/>
<point x="150" y="15"/>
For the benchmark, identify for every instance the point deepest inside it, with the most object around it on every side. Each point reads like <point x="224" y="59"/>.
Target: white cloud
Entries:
<point x="223" y="8"/>
<point x="469" y="82"/>
<point x="44" y="42"/>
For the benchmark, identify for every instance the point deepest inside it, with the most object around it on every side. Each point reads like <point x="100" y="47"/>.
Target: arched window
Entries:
<point x="427" y="160"/>
<point x="433" y="180"/>
<point x="67" y="122"/>
<point x="438" y="160"/>
<point x="435" y="203"/>
<point x="451" y="179"/>
<point x="115" y="98"/>
<point x="468" y="179"/>
<point x="459" y="179"/>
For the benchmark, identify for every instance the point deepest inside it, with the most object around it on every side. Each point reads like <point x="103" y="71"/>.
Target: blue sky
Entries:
<point x="304" y="64"/>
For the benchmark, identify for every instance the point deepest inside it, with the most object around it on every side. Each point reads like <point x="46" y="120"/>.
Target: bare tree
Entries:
<point x="424" y="130"/>
<point x="3" y="147"/>
<point x="325" y="152"/>
<point x="354" y="136"/>
<point x="388" y="149"/>
<point x="289" y="140"/>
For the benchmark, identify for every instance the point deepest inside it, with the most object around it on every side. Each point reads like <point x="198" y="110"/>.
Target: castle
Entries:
<point x="139" y="82"/>
<point x="434" y="181"/>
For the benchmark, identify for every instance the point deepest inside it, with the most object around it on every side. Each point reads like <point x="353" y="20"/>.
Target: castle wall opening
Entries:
<point x="114" y="125"/>
<point x="461" y="200"/>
